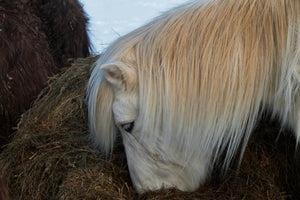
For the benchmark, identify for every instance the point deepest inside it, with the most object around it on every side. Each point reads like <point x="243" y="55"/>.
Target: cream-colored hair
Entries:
<point x="205" y="74"/>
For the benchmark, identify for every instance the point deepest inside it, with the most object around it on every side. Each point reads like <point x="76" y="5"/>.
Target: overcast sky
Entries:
<point x="110" y="19"/>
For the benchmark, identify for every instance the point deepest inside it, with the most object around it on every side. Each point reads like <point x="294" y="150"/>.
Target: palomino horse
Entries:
<point x="189" y="87"/>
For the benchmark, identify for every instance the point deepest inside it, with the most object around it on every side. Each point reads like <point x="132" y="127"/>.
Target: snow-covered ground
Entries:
<point x="110" y="19"/>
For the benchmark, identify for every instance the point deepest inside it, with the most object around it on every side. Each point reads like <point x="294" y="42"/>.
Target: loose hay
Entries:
<point x="50" y="157"/>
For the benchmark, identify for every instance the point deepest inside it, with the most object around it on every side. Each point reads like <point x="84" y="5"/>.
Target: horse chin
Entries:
<point x="148" y="172"/>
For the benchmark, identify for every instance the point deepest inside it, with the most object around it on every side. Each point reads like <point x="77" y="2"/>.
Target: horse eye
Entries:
<point x="128" y="127"/>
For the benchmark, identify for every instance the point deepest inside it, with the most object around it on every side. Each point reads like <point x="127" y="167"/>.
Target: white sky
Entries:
<point x="110" y="19"/>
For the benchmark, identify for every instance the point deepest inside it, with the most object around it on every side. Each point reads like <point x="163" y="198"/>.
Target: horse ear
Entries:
<point x="119" y="75"/>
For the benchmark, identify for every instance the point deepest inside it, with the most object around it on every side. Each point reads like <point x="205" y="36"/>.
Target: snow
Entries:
<point x="110" y="19"/>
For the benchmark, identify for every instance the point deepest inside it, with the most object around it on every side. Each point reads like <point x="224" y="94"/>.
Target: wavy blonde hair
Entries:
<point x="206" y="72"/>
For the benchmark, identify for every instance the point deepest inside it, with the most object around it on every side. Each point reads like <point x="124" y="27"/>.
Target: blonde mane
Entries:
<point x="206" y="72"/>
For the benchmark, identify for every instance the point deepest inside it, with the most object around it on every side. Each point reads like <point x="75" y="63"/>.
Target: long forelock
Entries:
<point x="100" y="98"/>
<point x="100" y="94"/>
<point x="204" y="72"/>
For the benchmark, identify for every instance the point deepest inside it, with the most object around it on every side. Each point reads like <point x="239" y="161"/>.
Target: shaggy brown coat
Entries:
<point x="65" y="25"/>
<point x="36" y="39"/>
<point x="25" y="62"/>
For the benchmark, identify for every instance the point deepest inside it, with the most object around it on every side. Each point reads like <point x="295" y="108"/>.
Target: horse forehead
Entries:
<point x="125" y="106"/>
<point x="124" y="96"/>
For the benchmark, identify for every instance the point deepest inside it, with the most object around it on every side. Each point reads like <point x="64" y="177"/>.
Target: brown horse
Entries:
<point x="36" y="39"/>
<point x="3" y="188"/>
<point x="65" y="24"/>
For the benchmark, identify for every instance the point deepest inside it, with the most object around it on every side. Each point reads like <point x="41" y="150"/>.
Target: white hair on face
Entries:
<point x="205" y="73"/>
<point x="100" y="100"/>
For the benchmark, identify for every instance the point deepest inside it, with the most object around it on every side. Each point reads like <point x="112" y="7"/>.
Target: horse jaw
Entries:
<point x="148" y="172"/>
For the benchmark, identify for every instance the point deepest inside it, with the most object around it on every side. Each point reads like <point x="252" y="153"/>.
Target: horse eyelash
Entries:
<point x="128" y="127"/>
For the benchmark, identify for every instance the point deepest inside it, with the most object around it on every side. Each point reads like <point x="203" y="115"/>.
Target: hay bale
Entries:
<point x="50" y="157"/>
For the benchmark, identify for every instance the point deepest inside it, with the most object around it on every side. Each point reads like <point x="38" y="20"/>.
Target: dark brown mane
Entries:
<point x="65" y="24"/>
<point x="36" y="39"/>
